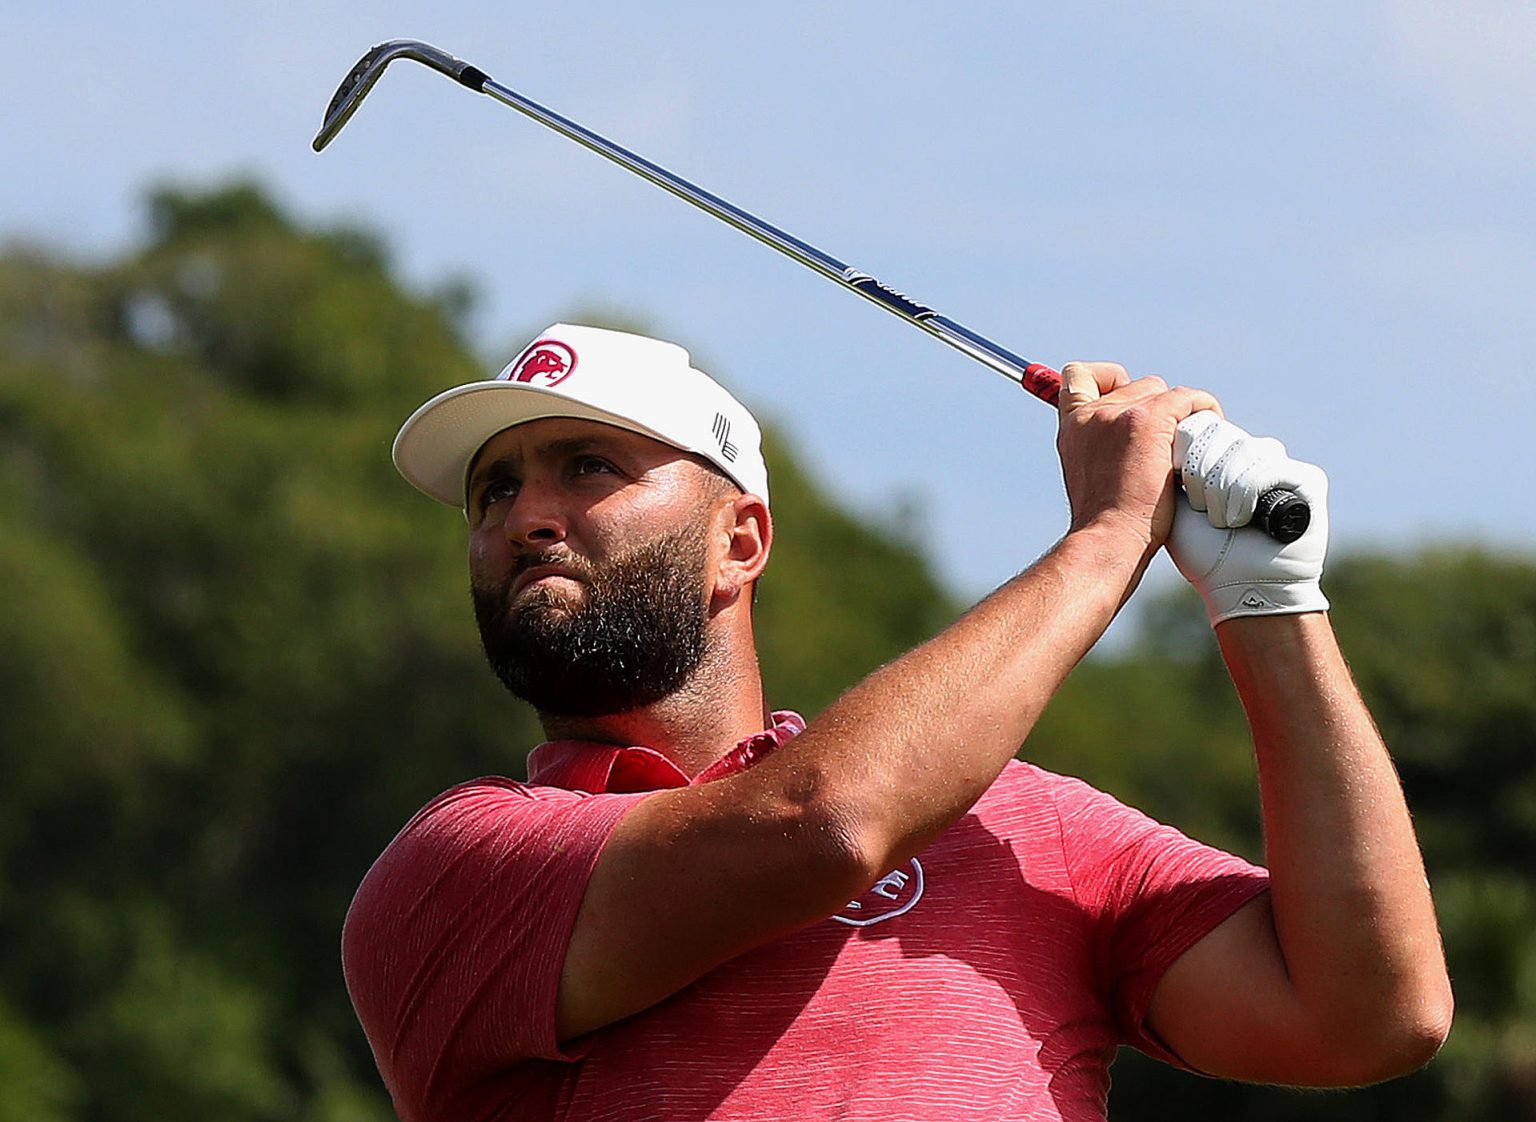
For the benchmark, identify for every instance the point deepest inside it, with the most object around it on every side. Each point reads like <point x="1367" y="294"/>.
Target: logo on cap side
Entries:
<point x="722" y="431"/>
<point x="546" y="363"/>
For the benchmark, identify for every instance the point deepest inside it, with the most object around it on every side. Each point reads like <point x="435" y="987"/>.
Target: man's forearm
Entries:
<point x="1352" y="908"/>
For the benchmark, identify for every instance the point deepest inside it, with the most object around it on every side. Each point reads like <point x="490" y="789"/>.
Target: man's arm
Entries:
<point x="1337" y="977"/>
<point x="1339" y="974"/>
<point x="693" y="877"/>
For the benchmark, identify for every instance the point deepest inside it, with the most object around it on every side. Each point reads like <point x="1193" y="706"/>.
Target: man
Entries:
<point x="882" y="915"/>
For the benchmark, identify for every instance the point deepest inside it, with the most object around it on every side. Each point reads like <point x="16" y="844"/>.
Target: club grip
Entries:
<point x="1283" y="515"/>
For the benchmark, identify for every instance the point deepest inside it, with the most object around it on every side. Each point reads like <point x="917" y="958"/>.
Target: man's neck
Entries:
<point x="692" y="727"/>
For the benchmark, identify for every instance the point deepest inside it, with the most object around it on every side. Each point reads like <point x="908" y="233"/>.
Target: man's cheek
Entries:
<point x="489" y="561"/>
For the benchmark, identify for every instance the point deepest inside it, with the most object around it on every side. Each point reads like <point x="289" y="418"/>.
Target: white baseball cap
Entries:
<point x="644" y="385"/>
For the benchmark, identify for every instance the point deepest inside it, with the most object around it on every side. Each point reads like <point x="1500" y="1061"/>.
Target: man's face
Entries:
<point x="589" y="565"/>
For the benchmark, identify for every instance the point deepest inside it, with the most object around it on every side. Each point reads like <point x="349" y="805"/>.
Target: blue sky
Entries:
<point x="1322" y="212"/>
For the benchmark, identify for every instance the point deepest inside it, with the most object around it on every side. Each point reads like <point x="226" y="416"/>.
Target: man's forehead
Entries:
<point x="548" y="436"/>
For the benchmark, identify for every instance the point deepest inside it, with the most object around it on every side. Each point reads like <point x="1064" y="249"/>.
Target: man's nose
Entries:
<point x="535" y="517"/>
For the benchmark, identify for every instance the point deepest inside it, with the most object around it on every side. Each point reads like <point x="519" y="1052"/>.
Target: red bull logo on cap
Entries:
<point x="546" y="363"/>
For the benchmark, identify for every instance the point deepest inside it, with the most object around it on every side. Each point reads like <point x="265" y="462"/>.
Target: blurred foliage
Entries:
<point x="1443" y="646"/>
<point x="238" y="655"/>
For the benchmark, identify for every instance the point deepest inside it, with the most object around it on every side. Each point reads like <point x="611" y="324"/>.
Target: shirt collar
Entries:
<point x="581" y="765"/>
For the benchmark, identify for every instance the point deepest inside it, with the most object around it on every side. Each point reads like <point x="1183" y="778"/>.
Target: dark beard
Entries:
<point x="638" y="637"/>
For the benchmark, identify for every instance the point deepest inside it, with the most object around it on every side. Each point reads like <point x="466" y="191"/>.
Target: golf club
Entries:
<point x="1282" y="514"/>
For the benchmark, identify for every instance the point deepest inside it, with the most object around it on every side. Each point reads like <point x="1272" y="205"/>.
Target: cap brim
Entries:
<point x="434" y="447"/>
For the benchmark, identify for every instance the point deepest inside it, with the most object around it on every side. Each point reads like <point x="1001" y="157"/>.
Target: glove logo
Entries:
<point x="892" y="895"/>
<point x="545" y="363"/>
<point x="1252" y="598"/>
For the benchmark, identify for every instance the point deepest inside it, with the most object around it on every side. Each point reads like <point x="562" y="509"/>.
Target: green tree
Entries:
<point x="239" y="654"/>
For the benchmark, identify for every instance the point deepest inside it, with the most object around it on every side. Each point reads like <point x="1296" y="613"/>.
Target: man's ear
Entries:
<point x="746" y="530"/>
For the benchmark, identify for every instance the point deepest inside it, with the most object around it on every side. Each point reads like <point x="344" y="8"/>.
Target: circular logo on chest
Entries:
<point x="892" y="895"/>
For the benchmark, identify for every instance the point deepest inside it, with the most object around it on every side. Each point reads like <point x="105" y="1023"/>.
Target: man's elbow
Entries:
<point x="1423" y="1033"/>
<point x="1402" y="1041"/>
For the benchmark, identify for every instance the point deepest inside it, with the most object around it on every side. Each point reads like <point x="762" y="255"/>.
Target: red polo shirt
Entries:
<point x="992" y="977"/>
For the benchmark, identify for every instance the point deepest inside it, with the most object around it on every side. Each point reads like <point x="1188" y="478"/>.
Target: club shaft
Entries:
<point x="1039" y="380"/>
<point x="1282" y="514"/>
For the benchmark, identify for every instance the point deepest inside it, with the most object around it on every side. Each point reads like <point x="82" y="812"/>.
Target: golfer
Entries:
<point x="698" y="907"/>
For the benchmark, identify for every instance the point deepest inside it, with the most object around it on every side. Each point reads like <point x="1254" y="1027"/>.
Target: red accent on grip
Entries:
<point x="1043" y="382"/>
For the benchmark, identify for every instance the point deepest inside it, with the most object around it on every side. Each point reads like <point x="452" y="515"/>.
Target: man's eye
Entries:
<point x="497" y="490"/>
<point x="591" y="465"/>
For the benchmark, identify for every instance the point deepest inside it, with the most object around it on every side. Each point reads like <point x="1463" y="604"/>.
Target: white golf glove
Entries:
<point x="1238" y="569"/>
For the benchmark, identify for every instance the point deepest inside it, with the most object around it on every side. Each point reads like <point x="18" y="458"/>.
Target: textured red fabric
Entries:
<point x="992" y="978"/>
<point x="577" y="765"/>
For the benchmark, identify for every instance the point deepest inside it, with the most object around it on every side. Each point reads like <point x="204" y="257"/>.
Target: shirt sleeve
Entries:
<point x="453" y="946"/>
<point x="1150" y="893"/>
